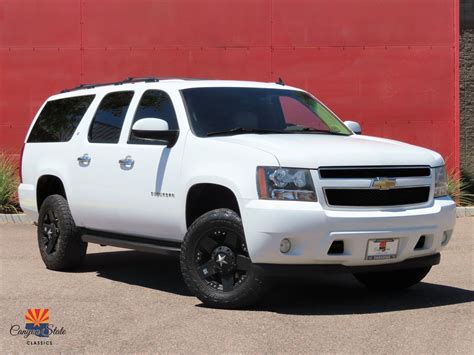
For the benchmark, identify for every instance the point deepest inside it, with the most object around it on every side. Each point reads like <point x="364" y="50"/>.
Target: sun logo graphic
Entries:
<point x="37" y="320"/>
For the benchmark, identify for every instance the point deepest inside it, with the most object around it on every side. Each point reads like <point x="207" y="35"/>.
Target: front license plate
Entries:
<point x="378" y="249"/>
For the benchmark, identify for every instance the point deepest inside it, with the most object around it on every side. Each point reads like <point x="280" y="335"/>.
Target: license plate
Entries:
<point x="378" y="249"/>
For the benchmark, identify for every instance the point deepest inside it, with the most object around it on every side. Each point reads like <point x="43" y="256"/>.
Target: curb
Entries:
<point x="19" y="218"/>
<point x="464" y="212"/>
<point x="22" y="218"/>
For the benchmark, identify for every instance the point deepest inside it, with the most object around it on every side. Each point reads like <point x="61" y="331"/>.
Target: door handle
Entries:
<point x="126" y="162"/>
<point x="84" y="160"/>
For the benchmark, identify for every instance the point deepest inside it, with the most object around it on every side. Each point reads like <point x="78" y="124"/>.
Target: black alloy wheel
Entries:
<point x="50" y="231"/>
<point x="215" y="262"/>
<point x="222" y="260"/>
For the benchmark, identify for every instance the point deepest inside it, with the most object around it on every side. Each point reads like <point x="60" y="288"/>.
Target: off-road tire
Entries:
<point x="239" y="297"/>
<point x="392" y="280"/>
<point x="69" y="250"/>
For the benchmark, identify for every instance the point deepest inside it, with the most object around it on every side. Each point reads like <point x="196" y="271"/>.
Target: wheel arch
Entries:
<point x="48" y="184"/>
<point x="202" y="197"/>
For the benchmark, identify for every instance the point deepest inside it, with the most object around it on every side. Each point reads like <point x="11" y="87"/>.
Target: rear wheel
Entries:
<point x="215" y="263"/>
<point x="59" y="242"/>
<point x="392" y="280"/>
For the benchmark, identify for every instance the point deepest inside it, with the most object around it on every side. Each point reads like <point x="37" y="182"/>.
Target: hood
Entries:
<point x="316" y="150"/>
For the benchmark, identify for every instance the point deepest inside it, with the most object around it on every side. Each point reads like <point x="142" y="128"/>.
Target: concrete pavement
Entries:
<point x="133" y="302"/>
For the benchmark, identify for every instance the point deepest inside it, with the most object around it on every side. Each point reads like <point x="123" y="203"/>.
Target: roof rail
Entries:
<point x="125" y="81"/>
<point x="129" y="80"/>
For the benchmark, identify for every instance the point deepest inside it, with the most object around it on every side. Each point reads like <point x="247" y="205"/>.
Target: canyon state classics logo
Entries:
<point x="37" y="320"/>
<point x="37" y="325"/>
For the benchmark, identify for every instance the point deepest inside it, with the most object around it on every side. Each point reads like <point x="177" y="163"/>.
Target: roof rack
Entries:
<point x="125" y="81"/>
<point x="129" y="80"/>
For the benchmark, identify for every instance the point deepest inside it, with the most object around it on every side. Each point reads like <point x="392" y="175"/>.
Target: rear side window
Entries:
<point x="108" y="119"/>
<point x="59" y="119"/>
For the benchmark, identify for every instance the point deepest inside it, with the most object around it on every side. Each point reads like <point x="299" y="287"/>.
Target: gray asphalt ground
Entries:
<point x="125" y="301"/>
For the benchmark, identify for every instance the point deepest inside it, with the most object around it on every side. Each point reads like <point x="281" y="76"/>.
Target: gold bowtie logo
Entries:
<point x="383" y="183"/>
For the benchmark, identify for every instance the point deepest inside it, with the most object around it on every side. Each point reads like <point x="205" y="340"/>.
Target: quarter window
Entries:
<point x="154" y="104"/>
<point x="108" y="120"/>
<point x="59" y="119"/>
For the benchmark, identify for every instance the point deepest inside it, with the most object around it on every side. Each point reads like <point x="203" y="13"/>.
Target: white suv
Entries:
<point x="244" y="180"/>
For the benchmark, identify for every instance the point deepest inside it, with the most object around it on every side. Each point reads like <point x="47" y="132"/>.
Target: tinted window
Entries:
<point x="154" y="104"/>
<point x="220" y="110"/>
<point x="108" y="120"/>
<point x="299" y="115"/>
<point x="59" y="119"/>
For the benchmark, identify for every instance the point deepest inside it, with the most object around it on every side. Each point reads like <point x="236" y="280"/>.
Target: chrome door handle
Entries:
<point x="85" y="159"/>
<point x="127" y="162"/>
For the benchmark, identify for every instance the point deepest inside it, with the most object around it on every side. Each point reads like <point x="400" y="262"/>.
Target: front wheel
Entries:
<point x="392" y="280"/>
<point x="215" y="263"/>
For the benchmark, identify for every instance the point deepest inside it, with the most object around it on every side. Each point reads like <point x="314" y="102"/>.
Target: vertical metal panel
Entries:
<point x="227" y="63"/>
<point x="182" y="23"/>
<point x="35" y="23"/>
<point x="390" y="64"/>
<point x="363" y="22"/>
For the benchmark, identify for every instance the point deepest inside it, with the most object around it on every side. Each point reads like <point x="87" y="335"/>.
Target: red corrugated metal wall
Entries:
<point x="392" y="64"/>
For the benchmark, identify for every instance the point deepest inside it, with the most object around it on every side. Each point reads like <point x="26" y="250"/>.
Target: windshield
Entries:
<point x="225" y="111"/>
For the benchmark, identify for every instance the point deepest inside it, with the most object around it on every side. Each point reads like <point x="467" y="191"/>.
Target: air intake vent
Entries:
<point x="337" y="247"/>
<point x="421" y="242"/>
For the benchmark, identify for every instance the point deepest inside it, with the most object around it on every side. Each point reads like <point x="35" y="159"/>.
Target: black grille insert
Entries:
<point x="369" y="172"/>
<point x="369" y="197"/>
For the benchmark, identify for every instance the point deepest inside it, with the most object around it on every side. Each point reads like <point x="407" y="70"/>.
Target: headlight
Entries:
<point x="277" y="183"/>
<point x="441" y="182"/>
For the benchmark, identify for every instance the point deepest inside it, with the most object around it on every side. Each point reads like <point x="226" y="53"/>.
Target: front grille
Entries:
<point x="369" y="197"/>
<point x="373" y="172"/>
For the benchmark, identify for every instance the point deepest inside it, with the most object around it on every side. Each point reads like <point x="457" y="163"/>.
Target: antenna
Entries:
<point x="280" y="82"/>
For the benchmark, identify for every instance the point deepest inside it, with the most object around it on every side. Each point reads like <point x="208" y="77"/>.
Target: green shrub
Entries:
<point x="8" y="185"/>
<point x="458" y="189"/>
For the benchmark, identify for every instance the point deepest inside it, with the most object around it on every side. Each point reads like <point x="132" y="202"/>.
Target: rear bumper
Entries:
<point x="308" y="270"/>
<point x="27" y="198"/>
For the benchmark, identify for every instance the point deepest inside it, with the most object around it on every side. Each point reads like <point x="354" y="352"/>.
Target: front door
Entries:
<point x="128" y="185"/>
<point x="150" y="179"/>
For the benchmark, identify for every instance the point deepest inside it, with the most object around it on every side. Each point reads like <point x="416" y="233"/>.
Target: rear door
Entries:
<point x="98" y="202"/>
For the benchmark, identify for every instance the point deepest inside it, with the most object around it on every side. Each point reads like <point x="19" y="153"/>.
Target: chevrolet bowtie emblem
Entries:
<point x="383" y="183"/>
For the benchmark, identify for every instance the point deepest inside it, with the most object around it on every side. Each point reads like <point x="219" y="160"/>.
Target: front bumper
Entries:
<point x="312" y="229"/>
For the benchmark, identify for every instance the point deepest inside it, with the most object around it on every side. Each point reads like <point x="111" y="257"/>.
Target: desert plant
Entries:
<point x="8" y="184"/>
<point x="458" y="189"/>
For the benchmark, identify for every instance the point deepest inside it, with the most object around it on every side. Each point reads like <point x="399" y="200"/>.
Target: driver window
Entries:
<point x="154" y="104"/>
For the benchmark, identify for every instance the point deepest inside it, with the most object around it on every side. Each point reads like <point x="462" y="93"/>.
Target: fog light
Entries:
<point x="285" y="245"/>
<point x="446" y="236"/>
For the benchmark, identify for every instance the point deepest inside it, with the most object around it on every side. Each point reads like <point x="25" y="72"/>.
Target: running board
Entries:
<point x="149" y="245"/>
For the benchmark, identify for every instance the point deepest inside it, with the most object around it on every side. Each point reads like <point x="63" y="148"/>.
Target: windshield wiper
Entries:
<point x="308" y="129"/>
<point x="242" y="130"/>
